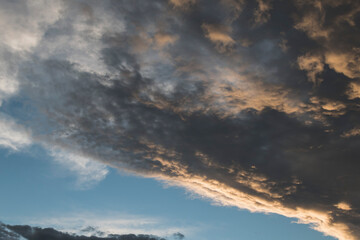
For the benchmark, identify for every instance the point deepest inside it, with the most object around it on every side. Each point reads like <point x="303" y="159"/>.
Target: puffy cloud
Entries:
<point x="339" y="52"/>
<point x="351" y="133"/>
<point x="20" y="34"/>
<point x="313" y="65"/>
<point x="312" y="24"/>
<point x="354" y="90"/>
<point x="164" y="39"/>
<point x="345" y="63"/>
<point x="262" y="13"/>
<point x="220" y="35"/>
<point x="343" y="206"/>
<point x="233" y="92"/>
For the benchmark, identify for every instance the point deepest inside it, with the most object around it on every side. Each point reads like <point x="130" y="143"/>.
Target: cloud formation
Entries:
<point x="25" y="232"/>
<point x="258" y="110"/>
<point x="12" y="135"/>
<point x="88" y="171"/>
<point x="105" y="224"/>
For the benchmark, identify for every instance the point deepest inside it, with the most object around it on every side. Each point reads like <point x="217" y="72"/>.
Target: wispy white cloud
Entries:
<point x="13" y="135"/>
<point x="87" y="170"/>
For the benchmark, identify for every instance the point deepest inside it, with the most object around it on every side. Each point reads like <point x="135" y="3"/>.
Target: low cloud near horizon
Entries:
<point x="25" y="232"/>
<point x="253" y="104"/>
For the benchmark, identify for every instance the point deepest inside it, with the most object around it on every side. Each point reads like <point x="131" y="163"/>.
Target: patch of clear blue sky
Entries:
<point x="32" y="186"/>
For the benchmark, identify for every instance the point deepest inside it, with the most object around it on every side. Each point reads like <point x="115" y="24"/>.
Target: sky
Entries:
<point x="183" y="119"/>
<point x="45" y="196"/>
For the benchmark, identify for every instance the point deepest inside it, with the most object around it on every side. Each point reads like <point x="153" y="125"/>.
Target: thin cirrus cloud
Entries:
<point x="257" y="110"/>
<point x="88" y="171"/>
<point x="12" y="135"/>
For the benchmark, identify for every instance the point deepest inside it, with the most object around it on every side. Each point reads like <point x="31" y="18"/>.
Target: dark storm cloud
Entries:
<point x="253" y="104"/>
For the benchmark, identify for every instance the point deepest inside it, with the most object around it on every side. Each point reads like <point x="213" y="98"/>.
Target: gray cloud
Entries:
<point x="18" y="232"/>
<point x="257" y="116"/>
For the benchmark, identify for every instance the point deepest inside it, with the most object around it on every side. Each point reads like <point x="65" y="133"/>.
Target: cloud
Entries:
<point x="262" y="14"/>
<point x="354" y="90"/>
<point x="87" y="171"/>
<point x="343" y="206"/>
<point x="182" y="3"/>
<point x="9" y="85"/>
<point x="36" y="233"/>
<point x="6" y="233"/>
<point x="179" y="236"/>
<point x="345" y="63"/>
<point x="181" y="97"/>
<point x="234" y="7"/>
<point x="22" y="34"/>
<point x="107" y="224"/>
<point x="328" y="31"/>
<point x="12" y="135"/>
<point x="351" y="133"/>
<point x="220" y="35"/>
<point x="313" y="65"/>
<point x="164" y="39"/>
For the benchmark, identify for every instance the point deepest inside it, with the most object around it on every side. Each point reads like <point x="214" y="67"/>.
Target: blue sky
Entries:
<point x="40" y="191"/>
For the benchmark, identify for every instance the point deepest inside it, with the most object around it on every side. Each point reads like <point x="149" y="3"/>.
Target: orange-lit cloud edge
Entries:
<point x="224" y="195"/>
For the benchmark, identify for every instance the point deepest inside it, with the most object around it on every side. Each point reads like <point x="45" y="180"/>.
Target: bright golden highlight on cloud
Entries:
<point x="262" y="13"/>
<point x="313" y="65"/>
<point x="232" y="92"/>
<point x="163" y="39"/>
<point x="354" y="90"/>
<point x="353" y="132"/>
<point x="220" y="36"/>
<point x="343" y="206"/>
<point x="182" y="3"/>
<point x="345" y="63"/>
<point x="227" y="196"/>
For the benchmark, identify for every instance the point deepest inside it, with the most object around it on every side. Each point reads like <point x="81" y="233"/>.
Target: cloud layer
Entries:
<point x="25" y="232"/>
<point x="253" y="104"/>
<point x="106" y="224"/>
